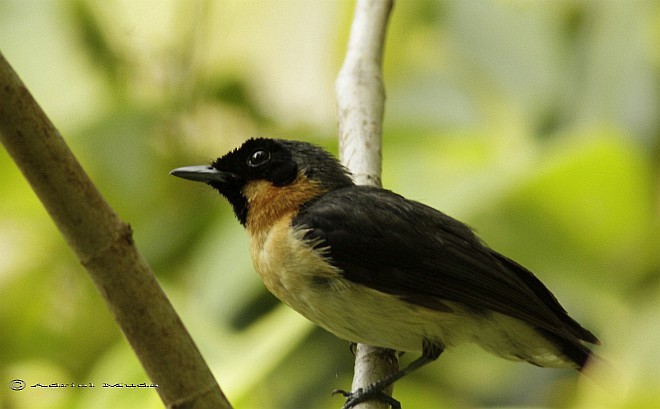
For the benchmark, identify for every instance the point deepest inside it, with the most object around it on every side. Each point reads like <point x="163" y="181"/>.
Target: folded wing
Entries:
<point x="386" y="242"/>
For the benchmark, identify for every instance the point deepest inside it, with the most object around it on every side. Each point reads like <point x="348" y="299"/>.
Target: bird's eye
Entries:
<point x="258" y="158"/>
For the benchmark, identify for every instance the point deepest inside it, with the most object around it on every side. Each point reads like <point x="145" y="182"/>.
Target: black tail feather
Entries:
<point x="549" y="300"/>
<point x="573" y="349"/>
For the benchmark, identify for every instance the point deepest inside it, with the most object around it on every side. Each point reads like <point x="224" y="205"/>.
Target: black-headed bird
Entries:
<point x="373" y="267"/>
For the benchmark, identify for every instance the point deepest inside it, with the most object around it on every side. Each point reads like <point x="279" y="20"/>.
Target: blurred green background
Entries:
<point x="536" y="122"/>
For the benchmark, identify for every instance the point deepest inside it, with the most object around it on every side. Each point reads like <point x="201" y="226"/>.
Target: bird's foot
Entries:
<point x="371" y="392"/>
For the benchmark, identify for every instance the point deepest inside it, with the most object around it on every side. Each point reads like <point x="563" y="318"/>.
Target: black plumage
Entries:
<point x="401" y="247"/>
<point x="372" y="266"/>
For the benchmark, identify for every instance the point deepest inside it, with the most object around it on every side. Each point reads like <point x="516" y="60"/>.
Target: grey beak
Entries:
<point x="203" y="173"/>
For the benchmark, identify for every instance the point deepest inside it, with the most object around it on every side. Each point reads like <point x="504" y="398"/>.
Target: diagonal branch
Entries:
<point x="360" y="107"/>
<point x="104" y="245"/>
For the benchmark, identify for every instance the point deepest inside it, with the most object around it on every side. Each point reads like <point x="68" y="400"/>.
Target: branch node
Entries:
<point x="123" y="237"/>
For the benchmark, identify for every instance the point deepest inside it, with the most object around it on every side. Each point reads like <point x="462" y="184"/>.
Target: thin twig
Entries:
<point x="360" y="107"/>
<point x="104" y="245"/>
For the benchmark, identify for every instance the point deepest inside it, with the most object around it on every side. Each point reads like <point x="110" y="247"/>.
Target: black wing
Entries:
<point x="401" y="247"/>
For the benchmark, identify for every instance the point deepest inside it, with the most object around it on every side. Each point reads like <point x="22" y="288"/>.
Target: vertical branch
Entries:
<point x="361" y="92"/>
<point x="360" y="97"/>
<point x="104" y="245"/>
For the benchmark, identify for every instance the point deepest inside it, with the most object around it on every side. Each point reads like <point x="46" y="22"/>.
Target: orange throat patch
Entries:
<point x="268" y="203"/>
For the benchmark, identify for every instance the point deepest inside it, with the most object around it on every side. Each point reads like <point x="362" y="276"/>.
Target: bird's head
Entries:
<point x="265" y="178"/>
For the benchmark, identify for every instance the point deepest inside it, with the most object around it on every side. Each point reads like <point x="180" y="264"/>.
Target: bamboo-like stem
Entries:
<point x="360" y="97"/>
<point x="104" y="245"/>
<point x="361" y="93"/>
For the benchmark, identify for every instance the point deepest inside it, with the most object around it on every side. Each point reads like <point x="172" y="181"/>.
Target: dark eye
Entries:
<point x="258" y="158"/>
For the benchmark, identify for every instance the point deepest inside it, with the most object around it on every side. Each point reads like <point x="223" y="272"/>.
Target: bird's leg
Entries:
<point x="430" y="352"/>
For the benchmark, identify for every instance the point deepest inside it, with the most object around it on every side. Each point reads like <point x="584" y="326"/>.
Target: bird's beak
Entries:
<point x="205" y="173"/>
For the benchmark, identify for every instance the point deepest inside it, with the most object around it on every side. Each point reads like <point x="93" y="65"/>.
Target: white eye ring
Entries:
<point x="258" y="158"/>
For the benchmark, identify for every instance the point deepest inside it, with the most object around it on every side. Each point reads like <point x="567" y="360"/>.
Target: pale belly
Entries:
<point x="302" y="278"/>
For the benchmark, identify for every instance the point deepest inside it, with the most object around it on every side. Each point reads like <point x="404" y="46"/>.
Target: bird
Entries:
<point x="373" y="267"/>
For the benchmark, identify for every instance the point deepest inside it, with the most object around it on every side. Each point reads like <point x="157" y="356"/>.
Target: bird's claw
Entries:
<point x="363" y="395"/>
<point x="341" y="392"/>
<point x="353" y="348"/>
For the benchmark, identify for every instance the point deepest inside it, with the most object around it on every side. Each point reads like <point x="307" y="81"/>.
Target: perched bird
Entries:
<point x="373" y="267"/>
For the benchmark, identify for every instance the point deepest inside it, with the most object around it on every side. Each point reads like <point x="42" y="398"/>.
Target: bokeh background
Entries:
<point x="536" y="122"/>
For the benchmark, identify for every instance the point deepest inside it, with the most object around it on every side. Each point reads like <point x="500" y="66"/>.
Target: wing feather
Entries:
<point x="386" y="242"/>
